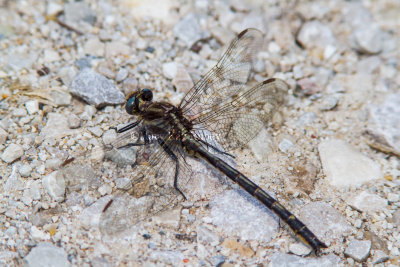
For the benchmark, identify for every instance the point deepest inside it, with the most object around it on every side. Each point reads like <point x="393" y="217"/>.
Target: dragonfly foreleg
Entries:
<point x="127" y="127"/>
<point x="171" y="154"/>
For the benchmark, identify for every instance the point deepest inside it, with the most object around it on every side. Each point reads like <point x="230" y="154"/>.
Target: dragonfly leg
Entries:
<point x="127" y="127"/>
<point x="216" y="149"/>
<point x="171" y="154"/>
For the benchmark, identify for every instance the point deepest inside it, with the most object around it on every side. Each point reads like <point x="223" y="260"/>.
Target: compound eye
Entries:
<point x="147" y="94"/>
<point x="130" y="105"/>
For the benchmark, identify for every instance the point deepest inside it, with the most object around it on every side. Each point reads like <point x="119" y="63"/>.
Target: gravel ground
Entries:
<point x="331" y="155"/>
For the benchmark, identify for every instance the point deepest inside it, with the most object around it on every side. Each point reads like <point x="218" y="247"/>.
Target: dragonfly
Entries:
<point x="216" y="116"/>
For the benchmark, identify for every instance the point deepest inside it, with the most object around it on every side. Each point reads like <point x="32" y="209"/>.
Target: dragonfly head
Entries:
<point x="137" y="101"/>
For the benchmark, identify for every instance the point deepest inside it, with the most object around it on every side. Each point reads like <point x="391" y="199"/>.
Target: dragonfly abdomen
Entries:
<point x="295" y="224"/>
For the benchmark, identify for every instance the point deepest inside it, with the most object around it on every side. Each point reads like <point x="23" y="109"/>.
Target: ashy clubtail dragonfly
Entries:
<point x="217" y="115"/>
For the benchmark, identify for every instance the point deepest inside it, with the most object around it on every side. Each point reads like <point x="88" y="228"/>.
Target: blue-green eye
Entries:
<point x="130" y="105"/>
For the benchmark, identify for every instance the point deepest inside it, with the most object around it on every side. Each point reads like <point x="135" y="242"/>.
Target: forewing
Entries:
<point x="234" y="123"/>
<point x="227" y="78"/>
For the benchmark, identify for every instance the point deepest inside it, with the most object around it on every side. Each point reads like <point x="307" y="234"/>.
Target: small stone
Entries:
<point x="32" y="106"/>
<point x="234" y="245"/>
<point x="206" y="236"/>
<point x="47" y="254"/>
<point x="117" y="48"/>
<point x="261" y="223"/>
<point x="123" y="183"/>
<point x="217" y="260"/>
<point x="73" y="121"/>
<point x="19" y="112"/>
<point x="105" y="189"/>
<point x="308" y="86"/>
<point x="169" y="218"/>
<point x="379" y="257"/>
<point x="55" y="186"/>
<point x="324" y="221"/>
<point x="12" y="153"/>
<point x="369" y="65"/>
<point x="53" y="8"/>
<point x="367" y="202"/>
<point x="38" y="235"/>
<point x="96" y="89"/>
<point x="94" y="47"/>
<point x="51" y="56"/>
<point x="306" y="118"/>
<point x="106" y="71"/>
<point x="170" y="70"/>
<point x="315" y="34"/>
<point x="130" y="85"/>
<point x="358" y="250"/>
<point x="96" y="131"/>
<point x="343" y="165"/>
<point x="3" y="136"/>
<point x="78" y="12"/>
<point x="56" y="127"/>
<point x="182" y="80"/>
<point x="60" y="97"/>
<point x="329" y="102"/>
<point x="299" y="249"/>
<point x="261" y="145"/>
<point x="285" y="145"/>
<point x="122" y="156"/>
<point x="391" y="197"/>
<point x="188" y="30"/>
<point x="281" y="259"/>
<point x="121" y="75"/>
<point x="25" y="170"/>
<point x="53" y="163"/>
<point x="368" y="39"/>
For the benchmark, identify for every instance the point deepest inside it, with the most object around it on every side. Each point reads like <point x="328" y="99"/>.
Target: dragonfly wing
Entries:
<point x="227" y="78"/>
<point x="234" y="123"/>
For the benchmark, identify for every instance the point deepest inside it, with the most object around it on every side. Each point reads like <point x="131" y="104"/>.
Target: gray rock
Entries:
<point x="369" y="65"/>
<point x="117" y="48"/>
<point x="95" y="89"/>
<point x="261" y="223"/>
<point x="217" y="260"/>
<point x="280" y="259"/>
<point x="96" y="131"/>
<point x="60" y="97"/>
<point x="74" y="121"/>
<point x="324" y="221"/>
<point x="379" y="257"/>
<point x="12" y="153"/>
<point x="188" y="30"/>
<point x="358" y="250"/>
<point x="54" y="185"/>
<point x="109" y="136"/>
<point x="285" y="145"/>
<point x="206" y="236"/>
<point x="121" y="75"/>
<point x="169" y="218"/>
<point x="299" y="249"/>
<point x="53" y="163"/>
<point x="329" y="102"/>
<point x="123" y="183"/>
<point x="56" y="127"/>
<point x="122" y="156"/>
<point x="170" y="69"/>
<point x="19" y="112"/>
<point x="343" y="165"/>
<point x="367" y="202"/>
<point x="32" y="106"/>
<point x="368" y="39"/>
<point x="261" y="145"/>
<point x="3" y="136"/>
<point x="25" y="170"/>
<point x="46" y="254"/>
<point x="77" y="12"/>
<point x="315" y="34"/>
<point x="384" y="121"/>
<point x="94" y="47"/>
<point x="306" y="118"/>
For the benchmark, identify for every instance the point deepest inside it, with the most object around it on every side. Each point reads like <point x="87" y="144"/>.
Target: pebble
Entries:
<point x="217" y="260"/>
<point x="130" y="85"/>
<point x="32" y="106"/>
<point x="343" y="165"/>
<point x="38" y="235"/>
<point x="170" y="218"/>
<point x="367" y="202"/>
<point x="170" y="70"/>
<point x="123" y="183"/>
<point x="188" y="30"/>
<point x="379" y="257"/>
<point x="384" y="121"/>
<point x="77" y="12"/>
<point x="325" y="221"/>
<point x="306" y="118"/>
<point x="285" y="145"/>
<point x="329" y="102"/>
<point x="369" y="65"/>
<point x="96" y="89"/>
<point x="54" y="185"/>
<point x="234" y="245"/>
<point x="73" y="121"/>
<point x="60" y="98"/>
<point x="96" y="131"/>
<point x="19" y="112"/>
<point x="47" y="254"/>
<point x="3" y="136"/>
<point x="121" y="75"/>
<point x="12" y="153"/>
<point x="105" y="189"/>
<point x="56" y="127"/>
<point x="281" y="259"/>
<point x="392" y="197"/>
<point x="299" y="249"/>
<point x="117" y="48"/>
<point x="123" y="156"/>
<point x="315" y="34"/>
<point x="182" y="80"/>
<point x="261" y="223"/>
<point x="358" y="250"/>
<point x="261" y="145"/>
<point x="53" y="163"/>
<point x="368" y="39"/>
<point x="94" y="47"/>
<point x="25" y="170"/>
